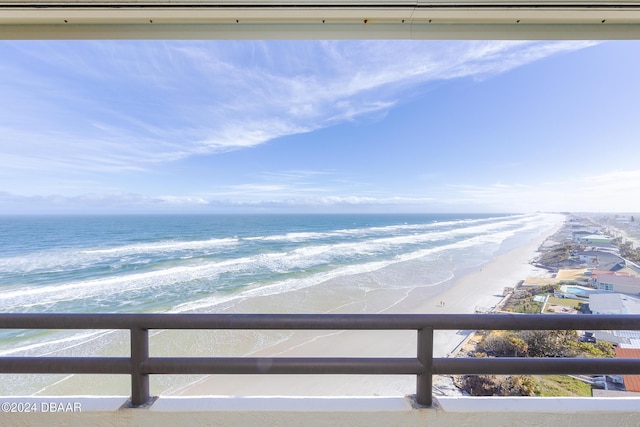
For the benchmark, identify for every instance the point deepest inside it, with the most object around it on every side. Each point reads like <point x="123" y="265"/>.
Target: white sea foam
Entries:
<point x="483" y="242"/>
<point x="298" y="237"/>
<point x="288" y="285"/>
<point x="62" y="260"/>
<point x="292" y="237"/>
<point x="166" y="246"/>
<point x="301" y="258"/>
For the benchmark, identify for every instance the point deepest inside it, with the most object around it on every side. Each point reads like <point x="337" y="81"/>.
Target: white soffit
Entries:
<point x="319" y="19"/>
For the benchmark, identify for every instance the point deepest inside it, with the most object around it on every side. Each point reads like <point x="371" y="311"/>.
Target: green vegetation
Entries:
<point x="524" y="385"/>
<point x="558" y="343"/>
<point x="567" y="302"/>
<point x="522" y="300"/>
<point x="496" y="385"/>
<point x="523" y="305"/>
<point x="561" y="385"/>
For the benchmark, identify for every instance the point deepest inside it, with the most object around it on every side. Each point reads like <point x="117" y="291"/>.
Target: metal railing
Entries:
<point x="140" y="365"/>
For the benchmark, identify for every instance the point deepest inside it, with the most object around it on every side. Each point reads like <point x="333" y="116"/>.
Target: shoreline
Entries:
<point x="480" y="286"/>
<point x="416" y="288"/>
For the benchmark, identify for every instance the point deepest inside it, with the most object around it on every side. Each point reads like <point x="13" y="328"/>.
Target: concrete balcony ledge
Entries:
<point x="320" y="411"/>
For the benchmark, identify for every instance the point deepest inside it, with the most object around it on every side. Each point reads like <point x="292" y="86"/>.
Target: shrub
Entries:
<point x="481" y="385"/>
<point x="492" y="385"/>
<point x="519" y="385"/>
<point x="508" y="344"/>
<point x="556" y="343"/>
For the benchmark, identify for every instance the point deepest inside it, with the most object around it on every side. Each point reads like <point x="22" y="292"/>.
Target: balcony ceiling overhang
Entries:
<point x="319" y="19"/>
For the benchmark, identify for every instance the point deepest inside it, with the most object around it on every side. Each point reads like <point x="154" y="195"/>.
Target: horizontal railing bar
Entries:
<point x="319" y="321"/>
<point x="314" y="365"/>
<point x="65" y="365"/>
<point x="501" y="366"/>
<point x="282" y="365"/>
<point x="534" y="366"/>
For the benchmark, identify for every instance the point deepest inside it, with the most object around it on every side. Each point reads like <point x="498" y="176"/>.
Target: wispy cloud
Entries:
<point x="485" y="58"/>
<point x="115" y="106"/>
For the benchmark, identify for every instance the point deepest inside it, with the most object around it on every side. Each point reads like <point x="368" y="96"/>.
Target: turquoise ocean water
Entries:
<point x="208" y="263"/>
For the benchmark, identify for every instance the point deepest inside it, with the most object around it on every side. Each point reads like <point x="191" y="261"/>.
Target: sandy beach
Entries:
<point x="479" y="287"/>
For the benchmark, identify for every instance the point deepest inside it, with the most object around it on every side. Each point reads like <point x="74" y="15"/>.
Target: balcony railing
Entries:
<point x="140" y="365"/>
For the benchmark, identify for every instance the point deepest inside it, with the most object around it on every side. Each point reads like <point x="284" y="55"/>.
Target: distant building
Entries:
<point x="633" y="342"/>
<point x="606" y="304"/>
<point x="612" y="337"/>
<point x="618" y="283"/>
<point x="597" y="272"/>
<point x="622" y="339"/>
<point x="605" y="247"/>
<point x="611" y="303"/>
<point x="594" y="238"/>
<point x="601" y="260"/>
<point x="633" y="269"/>
<point x="577" y="235"/>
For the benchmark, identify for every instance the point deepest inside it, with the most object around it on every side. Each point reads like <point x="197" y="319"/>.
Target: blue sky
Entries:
<point x="319" y="126"/>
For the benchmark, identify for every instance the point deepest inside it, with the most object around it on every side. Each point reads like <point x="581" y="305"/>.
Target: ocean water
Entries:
<point x="220" y="263"/>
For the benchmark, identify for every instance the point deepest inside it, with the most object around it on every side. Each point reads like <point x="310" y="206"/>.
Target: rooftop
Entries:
<point x="608" y="303"/>
<point x="631" y="382"/>
<point x="618" y="280"/>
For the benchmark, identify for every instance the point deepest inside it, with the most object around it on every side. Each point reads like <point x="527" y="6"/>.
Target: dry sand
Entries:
<point x="481" y="287"/>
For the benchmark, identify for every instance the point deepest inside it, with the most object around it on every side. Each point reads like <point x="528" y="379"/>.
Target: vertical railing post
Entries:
<point x="139" y="354"/>
<point x="425" y="357"/>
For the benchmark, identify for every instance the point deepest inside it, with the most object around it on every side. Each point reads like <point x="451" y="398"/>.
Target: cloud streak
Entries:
<point x="117" y="106"/>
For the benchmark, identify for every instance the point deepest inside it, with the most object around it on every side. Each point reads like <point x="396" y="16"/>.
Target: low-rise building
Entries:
<point x="601" y="260"/>
<point x="594" y="238"/>
<point x="613" y="303"/>
<point x="618" y="283"/>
